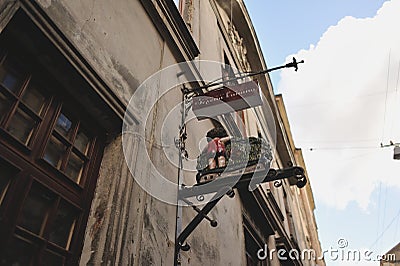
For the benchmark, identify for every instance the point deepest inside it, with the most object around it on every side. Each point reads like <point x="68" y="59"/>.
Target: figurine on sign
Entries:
<point x="224" y="155"/>
<point x="216" y="151"/>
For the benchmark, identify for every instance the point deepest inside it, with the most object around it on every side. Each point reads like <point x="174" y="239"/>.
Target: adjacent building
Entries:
<point x="391" y="257"/>
<point x="68" y="70"/>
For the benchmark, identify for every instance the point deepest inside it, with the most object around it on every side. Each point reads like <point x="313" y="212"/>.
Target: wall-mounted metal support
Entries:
<point x="224" y="185"/>
<point x="201" y="215"/>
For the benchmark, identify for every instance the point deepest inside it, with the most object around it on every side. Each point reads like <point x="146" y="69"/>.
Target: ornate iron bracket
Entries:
<point x="199" y="90"/>
<point x="221" y="185"/>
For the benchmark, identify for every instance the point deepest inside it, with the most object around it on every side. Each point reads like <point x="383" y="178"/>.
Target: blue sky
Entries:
<point x="342" y="103"/>
<point x="287" y="26"/>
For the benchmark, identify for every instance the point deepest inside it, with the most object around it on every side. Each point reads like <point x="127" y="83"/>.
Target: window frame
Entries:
<point x="32" y="168"/>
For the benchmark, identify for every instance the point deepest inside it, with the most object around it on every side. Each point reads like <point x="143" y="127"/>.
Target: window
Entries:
<point x="21" y="102"/>
<point x="253" y="245"/>
<point x="44" y="231"/>
<point x="256" y="229"/>
<point x="281" y="249"/>
<point x="228" y="72"/>
<point x="50" y="152"/>
<point x="7" y="174"/>
<point x="68" y="148"/>
<point x="289" y="215"/>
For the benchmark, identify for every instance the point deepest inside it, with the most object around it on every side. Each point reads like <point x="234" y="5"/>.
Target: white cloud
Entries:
<point x="337" y="100"/>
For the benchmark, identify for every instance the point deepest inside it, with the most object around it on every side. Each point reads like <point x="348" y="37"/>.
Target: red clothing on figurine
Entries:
<point x="216" y="146"/>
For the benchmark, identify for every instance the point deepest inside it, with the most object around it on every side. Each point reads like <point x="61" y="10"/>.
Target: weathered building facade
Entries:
<point x="391" y="257"/>
<point x="68" y="193"/>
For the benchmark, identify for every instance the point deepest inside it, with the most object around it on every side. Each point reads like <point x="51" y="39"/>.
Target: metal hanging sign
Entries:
<point x="227" y="99"/>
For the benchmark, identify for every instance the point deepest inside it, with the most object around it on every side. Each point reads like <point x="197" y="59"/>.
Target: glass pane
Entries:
<point x="2" y="52"/>
<point x="82" y="142"/>
<point x="50" y="258"/>
<point x="4" y="182"/>
<point x="64" y="125"/>
<point x="34" y="99"/>
<point x="6" y="173"/>
<point x="18" y="253"/>
<point x="36" y="208"/>
<point x="5" y="105"/>
<point x="74" y="167"/>
<point x="11" y="80"/>
<point x="22" y="126"/>
<point x="63" y="225"/>
<point x="54" y="153"/>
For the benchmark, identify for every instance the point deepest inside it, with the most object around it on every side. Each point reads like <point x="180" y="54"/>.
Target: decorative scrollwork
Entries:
<point x="200" y="197"/>
<point x="240" y="48"/>
<point x="277" y="183"/>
